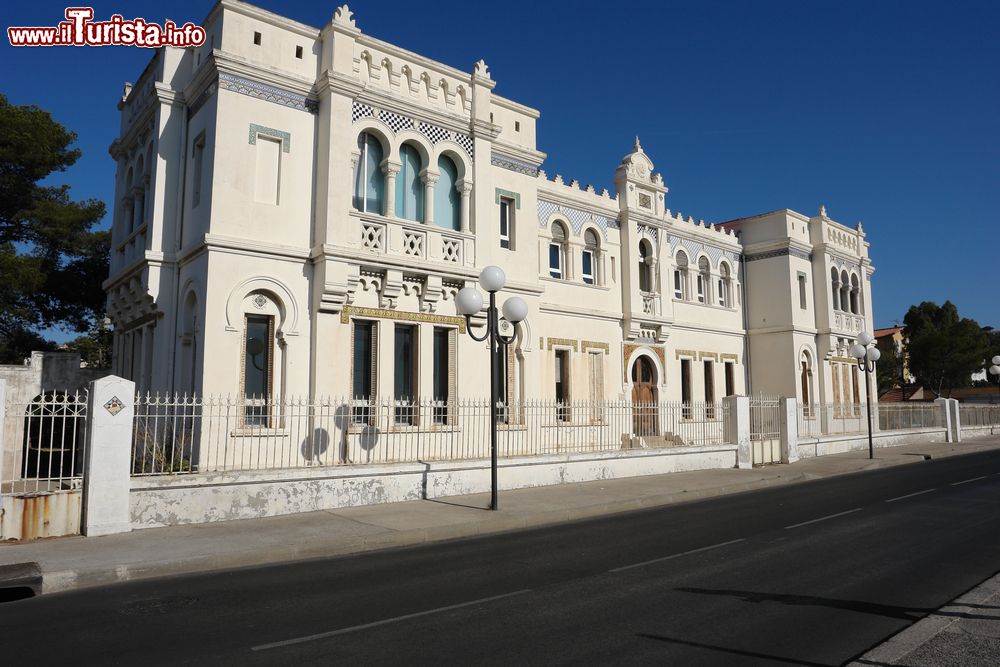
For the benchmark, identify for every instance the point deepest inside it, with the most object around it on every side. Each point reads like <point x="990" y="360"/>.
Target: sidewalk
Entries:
<point x="78" y="562"/>
<point x="964" y="633"/>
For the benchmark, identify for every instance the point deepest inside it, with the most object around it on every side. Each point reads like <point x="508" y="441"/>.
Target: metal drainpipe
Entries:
<point x="746" y="325"/>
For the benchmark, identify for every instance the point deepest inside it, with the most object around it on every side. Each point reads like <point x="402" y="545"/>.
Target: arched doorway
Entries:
<point x="644" y="397"/>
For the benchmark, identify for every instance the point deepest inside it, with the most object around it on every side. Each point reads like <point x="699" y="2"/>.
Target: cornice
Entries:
<point x="262" y="248"/>
<point x="416" y="58"/>
<point x="265" y="16"/>
<point x="230" y="64"/>
<point x="563" y="309"/>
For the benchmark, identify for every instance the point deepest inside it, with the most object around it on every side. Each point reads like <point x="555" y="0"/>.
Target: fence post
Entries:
<point x="956" y="420"/>
<point x="789" y="430"/>
<point x="738" y="428"/>
<point x="107" y="469"/>
<point x="942" y="404"/>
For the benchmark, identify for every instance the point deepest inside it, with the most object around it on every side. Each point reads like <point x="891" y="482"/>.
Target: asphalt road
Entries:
<point x="809" y="574"/>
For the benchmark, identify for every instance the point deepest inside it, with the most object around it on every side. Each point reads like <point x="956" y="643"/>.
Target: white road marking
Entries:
<point x="966" y="481"/>
<point x="405" y="617"/>
<point x="824" y="518"/>
<point x="910" y="495"/>
<point x="684" y="553"/>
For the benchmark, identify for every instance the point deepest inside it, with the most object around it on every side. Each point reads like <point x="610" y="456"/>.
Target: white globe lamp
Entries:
<point x="492" y="279"/>
<point x="468" y="301"/>
<point x="515" y="309"/>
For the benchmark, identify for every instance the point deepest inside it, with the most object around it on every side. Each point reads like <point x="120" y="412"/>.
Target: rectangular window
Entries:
<point x="442" y="374"/>
<point x="268" y="173"/>
<point x="503" y="384"/>
<point x="198" y="155"/>
<point x="678" y="285"/>
<point x="802" y="291"/>
<point x="555" y="260"/>
<point x="596" y="368"/>
<point x="588" y="267"/>
<point x="298" y="52"/>
<point x="257" y="359"/>
<point x="363" y="370"/>
<point x="709" y="389"/>
<point x="613" y="276"/>
<point x="256" y="39"/>
<point x="562" y="385"/>
<point x="506" y="221"/>
<point x="721" y="285"/>
<point x="730" y="379"/>
<point x="405" y="373"/>
<point x="701" y="288"/>
<point x="854" y="389"/>
<point x="686" y="388"/>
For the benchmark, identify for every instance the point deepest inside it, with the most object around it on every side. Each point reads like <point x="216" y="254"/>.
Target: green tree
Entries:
<point x="889" y="369"/>
<point x="94" y="346"/>
<point x="51" y="261"/>
<point x="943" y="350"/>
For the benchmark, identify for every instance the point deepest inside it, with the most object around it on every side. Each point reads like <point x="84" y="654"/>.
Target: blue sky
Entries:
<point x="886" y="112"/>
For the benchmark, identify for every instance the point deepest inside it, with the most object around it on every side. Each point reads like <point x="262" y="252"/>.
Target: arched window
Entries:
<point x="409" y="188"/>
<point x="369" y="181"/>
<point x="845" y="292"/>
<point x="835" y="288"/>
<point x="557" y="251"/>
<point x="262" y="358"/>
<point x="725" y="300"/>
<point x="645" y="266"/>
<point x="681" y="276"/>
<point x="704" y="279"/>
<point x="805" y="379"/>
<point x="855" y="294"/>
<point x="447" y="209"/>
<point x="591" y="256"/>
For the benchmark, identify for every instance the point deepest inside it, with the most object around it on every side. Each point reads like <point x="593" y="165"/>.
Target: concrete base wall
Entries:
<point x="979" y="431"/>
<point x="838" y="444"/>
<point x="29" y="516"/>
<point x="247" y="495"/>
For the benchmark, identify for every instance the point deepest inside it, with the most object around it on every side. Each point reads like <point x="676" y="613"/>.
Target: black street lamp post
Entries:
<point x="867" y="354"/>
<point x="468" y="302"/>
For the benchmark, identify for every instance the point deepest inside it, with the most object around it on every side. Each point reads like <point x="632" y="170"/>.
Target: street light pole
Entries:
<point x="468" y="302"/>
<point x="867" y="354"/>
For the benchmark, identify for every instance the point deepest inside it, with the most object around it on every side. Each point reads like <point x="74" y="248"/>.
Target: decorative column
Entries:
<point x="391" y="170"/>
<point x="430" y="179"/>
<point x="464" y="188"/>
<point x="136" y="210"/>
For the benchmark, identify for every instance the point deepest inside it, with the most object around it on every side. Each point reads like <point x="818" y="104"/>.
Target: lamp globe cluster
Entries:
<point x="995" y="368"/>
<point x="469" y="300"/>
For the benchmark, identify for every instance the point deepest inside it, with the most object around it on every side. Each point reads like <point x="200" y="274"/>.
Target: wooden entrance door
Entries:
<point x="644" y="397"/>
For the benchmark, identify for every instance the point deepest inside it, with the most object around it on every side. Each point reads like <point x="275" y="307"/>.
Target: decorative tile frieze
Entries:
<point x="261" y="91"/>
<point x="732" y="357"/>
<point x="347" y="312"/>
<point x="284" y="137"/>
<point x="782" y="252"/>
<point x="398" y="122"/>
<point x="595" y="345"/>
<point x="686" y="353"/>
<point x="563" y="342"/>
<point x="694" y="248"/>
<point x="628" y="349"/>
<point x="576" y="217"/>
<point x="513" y="164"/>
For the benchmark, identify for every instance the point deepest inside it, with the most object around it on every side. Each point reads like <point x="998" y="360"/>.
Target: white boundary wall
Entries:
<point x="166" y="501"/>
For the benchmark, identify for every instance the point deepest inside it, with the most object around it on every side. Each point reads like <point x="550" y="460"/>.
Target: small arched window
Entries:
<point x="855" y="294"/>
<point x="369" y="181"/>
<point x="446" y="198"/>
<point x="591" y="256"/>
<point x="409" y="188"/>
<point x="805" y="381"/>
<point x="681" y="276"/>
<point x="557" y="251"/>
<point x="704" y="278"/>
<point x="645" y="266"/>
<point x="725" y="299"/>
<point x="835" y="288"/>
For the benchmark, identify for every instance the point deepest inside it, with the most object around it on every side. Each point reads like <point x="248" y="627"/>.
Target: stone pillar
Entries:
<point x="430" y="179"/>
<point x="789" y="435"/>
<point x="390" y="169"/>
<point x="465" y="189"/>
<point x="956" y="420"/>
<point x="943" y="406"/>
<point x="738" y="429"/>
<point x="107" y="467"/>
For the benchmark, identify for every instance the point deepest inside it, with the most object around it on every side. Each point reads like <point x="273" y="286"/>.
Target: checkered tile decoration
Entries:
<point x="359" y="111"/>
<point x="433" y="132"/>
<point x="465" y="141"/>
<point x="395" y="121"/>
<point x="576" y="217"/>
<point x="692" y="248"/>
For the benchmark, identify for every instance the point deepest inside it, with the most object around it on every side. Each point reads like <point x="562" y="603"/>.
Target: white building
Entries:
<point x="296" y="208"/>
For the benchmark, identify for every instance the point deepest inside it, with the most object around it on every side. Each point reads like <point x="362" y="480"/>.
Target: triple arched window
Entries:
<point x="411" y="186"/>
<point x="845" y="291"/>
